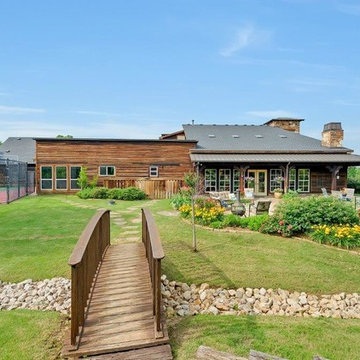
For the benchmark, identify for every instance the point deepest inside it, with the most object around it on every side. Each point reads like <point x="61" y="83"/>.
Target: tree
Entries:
<point x="192" y="181"/>
<point x="83" y="179"/>
<point x="64" y="136"/>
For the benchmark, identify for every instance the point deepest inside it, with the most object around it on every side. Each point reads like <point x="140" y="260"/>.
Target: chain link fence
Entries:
<point x="16" y="180"/>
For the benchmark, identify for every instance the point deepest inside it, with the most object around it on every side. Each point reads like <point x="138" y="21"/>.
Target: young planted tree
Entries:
<point x="192" y="181"/>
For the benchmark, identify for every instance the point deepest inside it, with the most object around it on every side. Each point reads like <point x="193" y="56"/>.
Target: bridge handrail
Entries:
<point x="85" y="261"/>
<point x="154" y="255"/>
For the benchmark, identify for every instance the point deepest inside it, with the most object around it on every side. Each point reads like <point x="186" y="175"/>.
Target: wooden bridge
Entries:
<point x="116" y="309"/>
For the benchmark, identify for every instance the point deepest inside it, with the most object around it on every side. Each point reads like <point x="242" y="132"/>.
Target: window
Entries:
<point x="304" y="180"/>
<point x="276" y="182"/>
<point x="46" y="178"/>
<point x="74" y="175"/>
<point x="61" y="178"/>
<point x="154" y="171"/>
<point x="224" y="179"/>
<point x="236" y="179"/>
<point x="210" y="180"/>
<point x="292" y="179"/>
<point x="105" y="170"/>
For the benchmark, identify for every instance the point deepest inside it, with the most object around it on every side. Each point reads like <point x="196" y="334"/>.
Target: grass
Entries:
<point x="254" y="260"/>
<point x="286" y="337"/>
<point x="29" y="335"/>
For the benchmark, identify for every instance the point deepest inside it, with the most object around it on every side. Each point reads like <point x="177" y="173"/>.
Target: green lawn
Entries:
<point x="37" y="235"/>
<point x="287" y="337"/>
<point x="30" y="335"/>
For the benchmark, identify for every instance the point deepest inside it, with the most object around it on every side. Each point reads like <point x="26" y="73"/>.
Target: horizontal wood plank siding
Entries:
<point x="132" y="160"/>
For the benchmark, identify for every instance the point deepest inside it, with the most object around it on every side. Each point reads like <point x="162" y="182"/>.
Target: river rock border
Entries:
<point x="47" y="295"/>
<point x="182" y="299"/>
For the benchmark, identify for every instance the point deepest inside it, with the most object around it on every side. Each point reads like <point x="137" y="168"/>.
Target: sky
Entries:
<point x="139" y="68"/>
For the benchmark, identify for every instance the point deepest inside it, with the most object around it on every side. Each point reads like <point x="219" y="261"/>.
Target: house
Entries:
<point x="270" y="156"/>
<point x="227" y="157"/>
<point x="59" y="161"/>
<point x="19" y="149"/>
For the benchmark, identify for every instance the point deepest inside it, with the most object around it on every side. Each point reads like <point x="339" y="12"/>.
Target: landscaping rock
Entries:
<point x="47" y="295"/>
<point x="254" y="301"/>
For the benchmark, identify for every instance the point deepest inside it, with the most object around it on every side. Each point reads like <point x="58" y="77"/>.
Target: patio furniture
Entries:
<point x="324" y="192"/>
<point x="261" y="207"/>
<point x="225" y="198"/>
<point x="249" y="193"/>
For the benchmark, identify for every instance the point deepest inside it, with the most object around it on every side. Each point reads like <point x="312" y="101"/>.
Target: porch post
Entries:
<point x="334" y="170"/>
<point x="242" y="177"/>
<point x="285" y="171"/>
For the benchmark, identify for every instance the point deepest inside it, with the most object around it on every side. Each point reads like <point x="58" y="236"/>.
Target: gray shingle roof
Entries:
<point x="252" y="138"/>
<point x="277" y="158"/>
<point x="19" y="148"/>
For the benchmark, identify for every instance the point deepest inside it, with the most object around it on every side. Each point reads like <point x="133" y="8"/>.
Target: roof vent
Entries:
<point x="19" y="138"/>
<point x="283" y="136"/>
<point x="259" y="136"/>
<point x="7" y="151"/>
<point x="211" y="136"/>
<point x="235" y="136"/>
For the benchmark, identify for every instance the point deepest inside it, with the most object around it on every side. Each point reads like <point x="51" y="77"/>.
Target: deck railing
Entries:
<point x="153" y="188"/>
<point x="85" y="261"/>
<point x="154" y="255"/>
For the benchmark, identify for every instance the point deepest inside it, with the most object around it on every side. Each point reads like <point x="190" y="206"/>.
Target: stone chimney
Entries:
<point x="288" y="124"/>
<point x="332" y="135"/>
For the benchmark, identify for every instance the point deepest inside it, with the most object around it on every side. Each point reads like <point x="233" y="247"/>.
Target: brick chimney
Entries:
<point x="332" y="135"/>
<point x="288" y="124"/>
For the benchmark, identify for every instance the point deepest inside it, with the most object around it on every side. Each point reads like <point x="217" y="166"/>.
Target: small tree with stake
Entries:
<point x="192" y="181"/>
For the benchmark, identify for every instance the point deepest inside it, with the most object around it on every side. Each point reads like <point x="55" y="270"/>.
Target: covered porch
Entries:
<point x="266" y="173"/>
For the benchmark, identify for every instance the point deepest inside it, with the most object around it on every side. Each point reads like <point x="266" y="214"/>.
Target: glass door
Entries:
<point x="257" y="179"/>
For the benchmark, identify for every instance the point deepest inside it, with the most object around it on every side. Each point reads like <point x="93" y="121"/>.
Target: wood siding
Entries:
<point x="131" y="159"/>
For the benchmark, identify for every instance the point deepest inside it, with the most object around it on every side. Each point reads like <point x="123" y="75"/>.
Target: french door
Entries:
<point x="257" y="179"/>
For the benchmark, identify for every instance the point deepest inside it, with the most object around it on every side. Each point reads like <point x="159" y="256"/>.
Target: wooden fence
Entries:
<point x="154" y="255"/>
<point x="85" y="261"/>
<point x="154" y="188"/>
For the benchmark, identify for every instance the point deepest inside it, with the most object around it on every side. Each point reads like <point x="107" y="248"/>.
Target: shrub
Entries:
<point x="130" y="193"/>
<point x="217" y="224"/>
<point x="291" y="194"/>
<point x="339" y="235"/>
<point x="180" y="199"/>
<point x="256" y="222"/>
<point x="100" y="193"/>
<point x="232" y="220"/>
<point x="83" y="180"/>
<point x="298" y="215"/>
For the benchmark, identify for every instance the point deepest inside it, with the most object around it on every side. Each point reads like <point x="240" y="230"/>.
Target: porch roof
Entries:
<point x="276" y="158"/>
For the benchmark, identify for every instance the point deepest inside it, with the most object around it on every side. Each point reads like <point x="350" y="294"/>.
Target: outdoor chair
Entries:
<point x="248" y="193"/>
<point x="262" y="207"/>
<point x="324" y="192"/>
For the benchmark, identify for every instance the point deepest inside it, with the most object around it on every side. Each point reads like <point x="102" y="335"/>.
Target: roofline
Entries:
<point x="329" y="152"/>
<point x="116" y="140"/>
<point x="164" y="136"/>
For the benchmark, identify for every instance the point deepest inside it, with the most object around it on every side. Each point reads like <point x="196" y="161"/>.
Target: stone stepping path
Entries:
<point x="132" y="232"/>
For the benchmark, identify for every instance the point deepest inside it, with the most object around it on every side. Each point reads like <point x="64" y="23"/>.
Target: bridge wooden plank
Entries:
<point x="120" y="315"/>
<point x="161" y="352"/>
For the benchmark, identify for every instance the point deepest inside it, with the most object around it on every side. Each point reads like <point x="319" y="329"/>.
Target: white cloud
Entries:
<point x="270" y="114"/>
<point x="96" y="113"/>
<point x="15" y="110"/>
<point x="351" y="9"/>
<point x="245" y="37"/>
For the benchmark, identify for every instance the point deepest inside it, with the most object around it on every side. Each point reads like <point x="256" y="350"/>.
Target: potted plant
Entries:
<point x="278" y="193"/>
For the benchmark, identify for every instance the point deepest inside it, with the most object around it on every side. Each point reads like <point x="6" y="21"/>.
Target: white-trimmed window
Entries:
<point x="74" y="176"/>
<point x="46" y="175"/>
<point x="292" y="179"/>
<point x="236" y="180"/>
<point x="61" y="178"/>
<point x="210" y="180"/>
<point x="154" y="171"/>
<point x="275" y="175"/>
<point x="107" y="170"/>
<point x="304" y="180"/>
<point x="224" y="179"/>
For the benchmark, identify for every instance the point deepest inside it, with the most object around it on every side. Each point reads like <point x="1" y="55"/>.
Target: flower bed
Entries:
<point x="346" y="236"/>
